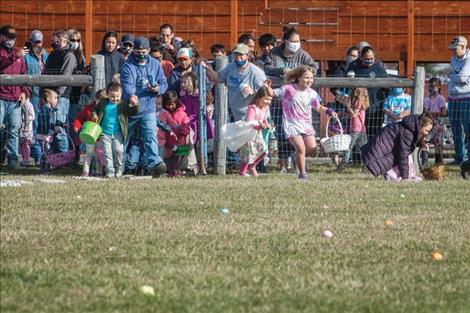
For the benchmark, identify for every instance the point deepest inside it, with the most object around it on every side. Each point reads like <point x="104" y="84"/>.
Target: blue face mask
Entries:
<point x="396" y="91"/>
<point x="141" y="57"/>
<point x="240" y="63"/>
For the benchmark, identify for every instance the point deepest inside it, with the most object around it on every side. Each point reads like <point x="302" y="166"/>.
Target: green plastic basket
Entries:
<point x="182" y="150"/>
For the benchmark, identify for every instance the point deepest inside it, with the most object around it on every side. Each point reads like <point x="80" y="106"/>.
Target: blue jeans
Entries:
<point x="147" y="128"/>
<point x="63" y="107"/>
<point x="36" y="150"/>
<point x="459" y="116"/>
<point x="10" y="116"/>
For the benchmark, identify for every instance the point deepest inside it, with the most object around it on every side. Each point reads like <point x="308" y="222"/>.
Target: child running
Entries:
<point x="254" y="151"/>
<point x="112" y="113"/>
<point x="90" y="150"/>
<point x="297" y="101"/>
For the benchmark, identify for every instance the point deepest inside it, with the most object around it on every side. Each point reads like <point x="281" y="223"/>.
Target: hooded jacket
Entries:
<point x="134" y="80"/>
<point x="61" y="62"/>
<point x="113" y="62"/>
<point x="391" y="146"/>
<point x="10" y="63"/>
<point x="35" y="66"/>
<point x="180" y="126"/>
<point x="124" y="111"/>
<point x="276" y="62"/>
<point x="459" y="85"/>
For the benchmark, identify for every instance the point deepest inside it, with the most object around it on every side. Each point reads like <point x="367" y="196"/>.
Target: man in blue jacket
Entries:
<point x="142" y="80"/>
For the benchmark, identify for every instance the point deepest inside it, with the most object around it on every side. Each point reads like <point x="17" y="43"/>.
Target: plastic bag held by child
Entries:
<point x="235" y="135"/>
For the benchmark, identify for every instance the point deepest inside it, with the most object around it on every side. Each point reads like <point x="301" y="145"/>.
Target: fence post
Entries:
<point x="97" y="72"/>
<point x="418" y="100"/>
<point x="201" y="76"/>
<point x="220" y="115"/>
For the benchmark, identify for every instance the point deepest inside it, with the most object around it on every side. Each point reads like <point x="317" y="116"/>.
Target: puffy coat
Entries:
<point x="391" y="146"/>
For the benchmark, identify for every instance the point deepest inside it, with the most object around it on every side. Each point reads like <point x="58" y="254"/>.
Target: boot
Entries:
<point x="465" y="169"/>
<point x="14" y="165"/>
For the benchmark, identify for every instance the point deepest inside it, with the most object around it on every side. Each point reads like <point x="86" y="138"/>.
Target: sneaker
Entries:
<point x="85" y="174"/>
<point x="283" y="171"/>
<point x="118" y="174"/>
<point x="252" y="171"/>
<point x="158" y="170"/>
<point x="303" y="177"/>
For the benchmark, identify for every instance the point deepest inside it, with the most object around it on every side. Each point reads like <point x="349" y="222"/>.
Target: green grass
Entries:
<point x="267" y="255"/>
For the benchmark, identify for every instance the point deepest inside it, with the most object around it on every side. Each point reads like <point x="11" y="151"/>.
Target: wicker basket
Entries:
<point x="435" y="172"/>
<point x="336" y="143"/>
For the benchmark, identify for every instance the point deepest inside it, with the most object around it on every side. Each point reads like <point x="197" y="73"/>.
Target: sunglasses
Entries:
<point x="75" y="40"/>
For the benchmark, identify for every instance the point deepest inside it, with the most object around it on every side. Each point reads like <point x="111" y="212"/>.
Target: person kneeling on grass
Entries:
<point x="298" y="99"/>
<point x="112" y="114"/>
<point x="389" y="152"/>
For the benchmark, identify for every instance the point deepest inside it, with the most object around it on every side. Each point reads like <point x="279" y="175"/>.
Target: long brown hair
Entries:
<point x="426" y="119"/>
<point x="294" y="75"/>
<point x="261" y="93"/>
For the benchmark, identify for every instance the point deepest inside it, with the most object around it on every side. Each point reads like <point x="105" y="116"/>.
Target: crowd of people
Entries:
<point x="149" y="111"/>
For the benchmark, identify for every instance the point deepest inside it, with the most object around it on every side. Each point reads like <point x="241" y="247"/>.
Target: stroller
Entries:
<point x="51" y="159"/>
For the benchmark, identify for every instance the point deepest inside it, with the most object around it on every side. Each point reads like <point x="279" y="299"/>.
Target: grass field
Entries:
<point x="90" y="246"/>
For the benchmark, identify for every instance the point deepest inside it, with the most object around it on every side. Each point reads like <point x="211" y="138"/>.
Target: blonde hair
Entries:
<point x="46" y="93"/>
<point x="294" y="75"/>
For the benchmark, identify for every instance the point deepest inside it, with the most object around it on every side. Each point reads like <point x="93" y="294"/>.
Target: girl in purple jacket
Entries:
<point x="394" y="143"/>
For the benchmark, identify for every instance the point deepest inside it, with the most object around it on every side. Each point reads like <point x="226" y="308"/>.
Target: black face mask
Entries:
<point x="126" y="49"/>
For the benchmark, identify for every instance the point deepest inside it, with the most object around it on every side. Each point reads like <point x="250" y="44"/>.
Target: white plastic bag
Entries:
<point x="235" y="135"/>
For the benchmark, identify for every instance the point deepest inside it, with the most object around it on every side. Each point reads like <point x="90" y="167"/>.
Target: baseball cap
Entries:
<point x="241" y="48"/>
<point x="36" y="36"/>
<point x="128" y="38"/>
<point x="184" y="53"/>
<point x="6" y="31"/>
<point x="458" y="41"/>
<point x="141" y="43"/>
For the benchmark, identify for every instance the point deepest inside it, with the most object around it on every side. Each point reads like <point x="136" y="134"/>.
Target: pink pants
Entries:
<point x="393" y="174"/>
<point x="244" y="167"/>
<point x="24" y="149"/>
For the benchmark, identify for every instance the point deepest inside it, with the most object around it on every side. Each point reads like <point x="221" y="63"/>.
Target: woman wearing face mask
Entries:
<point x="113" y="60"/>
<point x="279" y="62"/>
<point x="367" y="67"/>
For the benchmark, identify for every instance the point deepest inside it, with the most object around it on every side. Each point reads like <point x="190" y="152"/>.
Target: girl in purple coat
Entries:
<point x="394" y="143"/>
<point x="189" y="96"/>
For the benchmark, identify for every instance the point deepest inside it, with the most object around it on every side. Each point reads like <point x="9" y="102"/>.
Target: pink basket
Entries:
<point x="61" y="158"/>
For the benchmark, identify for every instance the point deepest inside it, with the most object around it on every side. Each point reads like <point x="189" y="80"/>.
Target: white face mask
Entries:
<point x="74" y="45"/>
<point x="10" y="43"/>
<point x="293" y="47"/>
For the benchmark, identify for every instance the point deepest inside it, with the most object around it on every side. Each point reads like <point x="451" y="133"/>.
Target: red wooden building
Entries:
<point x="401" y="31"/>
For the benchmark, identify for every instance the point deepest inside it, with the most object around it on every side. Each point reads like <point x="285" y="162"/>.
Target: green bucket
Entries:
<point x="90" y="133"/>
<point x="182" y="150"/>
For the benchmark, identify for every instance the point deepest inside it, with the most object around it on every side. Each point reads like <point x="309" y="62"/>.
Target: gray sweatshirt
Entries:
<point x="276" y="62"/>
<point x="459" y="84"/>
